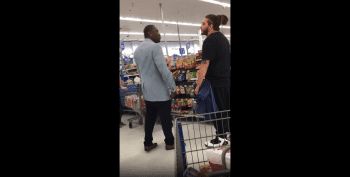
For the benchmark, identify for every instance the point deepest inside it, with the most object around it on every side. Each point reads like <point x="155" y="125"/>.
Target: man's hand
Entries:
<point x="196" y="90"/>
<point x="172" y="95"/>
<point x="124" y="88"/>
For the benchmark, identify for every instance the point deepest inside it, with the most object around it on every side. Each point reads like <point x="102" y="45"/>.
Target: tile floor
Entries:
<point x="134" y="161"/>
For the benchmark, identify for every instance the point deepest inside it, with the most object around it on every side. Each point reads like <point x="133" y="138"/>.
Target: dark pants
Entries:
<point x="222" y="99"/>
<point x="164" y="110"/>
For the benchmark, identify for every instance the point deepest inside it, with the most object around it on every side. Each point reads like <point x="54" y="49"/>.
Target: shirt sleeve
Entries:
<point x="158" y="57"/>
<point x="209" y="50"/>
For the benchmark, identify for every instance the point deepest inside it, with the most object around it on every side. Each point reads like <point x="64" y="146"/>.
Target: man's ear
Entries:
<point x="211" y="27"/>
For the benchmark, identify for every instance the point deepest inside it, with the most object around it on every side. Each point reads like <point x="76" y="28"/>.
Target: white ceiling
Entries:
<point x="187" y="11"/>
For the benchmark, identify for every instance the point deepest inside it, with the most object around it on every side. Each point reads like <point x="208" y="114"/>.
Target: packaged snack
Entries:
<point x="179" y="62"/>
<point x="185" y="102"/>
<point x="189" y="101"/>
<point x="180" y="103"/>
<point x="194" y="74"/>
<point x="183" y="90"/>
<point x="192" y="60"/>
<point x="192" y="91"/>
<point x="205" y="169"/>
<point x="168" y="60"/>
<point x="188" y="62"/>
<point x="178" y="92"/>
<point x="173" y="63"/>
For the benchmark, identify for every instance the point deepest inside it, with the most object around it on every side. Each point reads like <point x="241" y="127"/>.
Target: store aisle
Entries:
<point x="134" y="161"/>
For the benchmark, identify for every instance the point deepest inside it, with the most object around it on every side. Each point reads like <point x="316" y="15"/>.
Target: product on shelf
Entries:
<point x="178" y="90"/>
<point x="169" y="61"/>
<point x="189" y="102"/>
<point x="188" y="90"/>
<point x="179" y="63"/>
<point x="194" y="74"/>
<point x="180" y="103"/>
<point x="186" y="62"/>
<point x="183" y="90"/>
<point x="185" y="102"/>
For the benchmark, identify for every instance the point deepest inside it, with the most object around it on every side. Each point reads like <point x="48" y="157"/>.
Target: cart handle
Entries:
<point x="223" y="157"/>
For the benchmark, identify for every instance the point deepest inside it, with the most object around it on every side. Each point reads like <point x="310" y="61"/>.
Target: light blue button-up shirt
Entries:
<point x="156" y="78"/>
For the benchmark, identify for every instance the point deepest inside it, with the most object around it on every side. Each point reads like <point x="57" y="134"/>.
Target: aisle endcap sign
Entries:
<point x="188" y="45"/>
<point x="182" y="50"/>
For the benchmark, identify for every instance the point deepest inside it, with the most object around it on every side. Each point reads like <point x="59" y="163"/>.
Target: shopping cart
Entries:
<point x="191" y="134"/>
<point x="136" y="107"/>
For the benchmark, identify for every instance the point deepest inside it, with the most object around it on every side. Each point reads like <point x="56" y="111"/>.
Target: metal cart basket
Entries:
<point x="192" y="132"/>
<point x="136" y="106"/>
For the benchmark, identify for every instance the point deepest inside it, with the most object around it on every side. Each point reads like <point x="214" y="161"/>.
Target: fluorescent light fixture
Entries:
<point x="167" y="34"/>
<point x="159" y="21"/>
<point x="217" y="2"/>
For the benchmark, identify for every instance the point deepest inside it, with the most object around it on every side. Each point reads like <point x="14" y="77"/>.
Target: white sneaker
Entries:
<point x="221" y="143"/>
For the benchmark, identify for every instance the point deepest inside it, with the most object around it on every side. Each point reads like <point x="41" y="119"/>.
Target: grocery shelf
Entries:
<point x="199" y="60"/>
<point x="131" y="75"/>
<point x="194" y="79"/>
<point x="130" y="69"/>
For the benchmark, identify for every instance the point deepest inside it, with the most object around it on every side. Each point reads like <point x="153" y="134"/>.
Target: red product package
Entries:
<point x="169" y="61"/>
<point x="179" y="63"/>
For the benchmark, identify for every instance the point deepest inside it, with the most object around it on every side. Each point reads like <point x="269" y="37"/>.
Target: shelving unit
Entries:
<point x="131" y="75"/>
<point x="131" y="69"/>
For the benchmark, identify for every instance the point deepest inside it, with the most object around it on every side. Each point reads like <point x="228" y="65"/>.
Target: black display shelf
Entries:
<point x="183" y="96"/>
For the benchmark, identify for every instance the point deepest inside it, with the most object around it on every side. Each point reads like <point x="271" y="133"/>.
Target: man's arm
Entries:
<point x="162" y="67"/>
<point x="201" y="74"/>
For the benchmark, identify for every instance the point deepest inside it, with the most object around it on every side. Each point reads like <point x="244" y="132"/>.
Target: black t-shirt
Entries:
<point x="216" y="49"/>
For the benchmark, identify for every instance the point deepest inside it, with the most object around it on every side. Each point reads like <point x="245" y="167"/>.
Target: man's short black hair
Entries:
<point x="147" y="29"/>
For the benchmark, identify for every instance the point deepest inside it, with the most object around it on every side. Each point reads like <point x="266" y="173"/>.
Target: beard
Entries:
<point x="205" y="32"/>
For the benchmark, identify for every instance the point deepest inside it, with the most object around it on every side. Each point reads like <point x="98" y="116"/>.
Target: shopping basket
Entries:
<point x="192" y="131"/>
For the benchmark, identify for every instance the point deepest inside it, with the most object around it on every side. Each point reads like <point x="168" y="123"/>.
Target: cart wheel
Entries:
<point x="130" y="125"/>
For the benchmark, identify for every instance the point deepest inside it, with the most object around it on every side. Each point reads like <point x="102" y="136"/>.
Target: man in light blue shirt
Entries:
<point x="156" y="83"/>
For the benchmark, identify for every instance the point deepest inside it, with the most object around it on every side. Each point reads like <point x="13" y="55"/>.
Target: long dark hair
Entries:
<point x="217" y="20"/>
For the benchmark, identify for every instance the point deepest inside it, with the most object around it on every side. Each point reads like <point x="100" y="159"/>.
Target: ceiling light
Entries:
<point x="158" y="21"/>
<point x="168" y="34"/>
<point x="217" y="2"/>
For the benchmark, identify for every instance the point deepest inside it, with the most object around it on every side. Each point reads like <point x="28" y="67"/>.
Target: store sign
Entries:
<point x="123" y="45"/>
<point x="182" y="50"/>
<point x="188" y="45"/>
